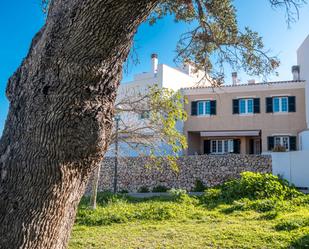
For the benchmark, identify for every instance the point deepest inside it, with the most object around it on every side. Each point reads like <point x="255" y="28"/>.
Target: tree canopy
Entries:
<point x="216" y="39"/>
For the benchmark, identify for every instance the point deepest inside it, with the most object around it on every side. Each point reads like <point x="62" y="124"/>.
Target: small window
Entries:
<point x="242" y="106"/>
<point x="250" y="105"/>
<point x="281" y="104"/>
<point x="284" y="104"/>
<point x="226" y="145"/>
<point x="283" y="141"/>
<point x="200" y="108"/>
<point x="214" y="146"/>
<point x="204" y="108"/>
<point x="246" y="106"/>
<point x="222" y="146"/>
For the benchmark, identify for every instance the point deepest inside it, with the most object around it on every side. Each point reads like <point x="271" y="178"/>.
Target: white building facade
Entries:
<point x="303" y="62"/>
<point x="163" y="76"/>
<point x="294" y="166"/>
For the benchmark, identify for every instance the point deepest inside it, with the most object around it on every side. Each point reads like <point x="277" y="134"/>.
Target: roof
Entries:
<point x="241" y="85"/>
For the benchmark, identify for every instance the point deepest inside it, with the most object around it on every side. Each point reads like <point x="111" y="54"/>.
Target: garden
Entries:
<point x="254" y="211"/>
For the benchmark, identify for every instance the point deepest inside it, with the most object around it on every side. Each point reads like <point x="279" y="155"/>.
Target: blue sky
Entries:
<point x="20" y="20"/>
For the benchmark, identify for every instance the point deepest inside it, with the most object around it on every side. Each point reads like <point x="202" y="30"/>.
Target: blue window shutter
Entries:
<point x="235" y="106"/>
<point x="257" y="105"/>
<point x="194" y="108"/>
<point x="269" y="105"/>
<point x="292" y="104"/>
<point x="213" y="107"/>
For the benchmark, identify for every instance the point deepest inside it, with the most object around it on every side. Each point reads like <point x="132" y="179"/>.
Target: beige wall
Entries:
<point x="269" y="123"/>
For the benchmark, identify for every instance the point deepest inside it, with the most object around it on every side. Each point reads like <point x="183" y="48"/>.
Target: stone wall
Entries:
<point x="134" y="173"/>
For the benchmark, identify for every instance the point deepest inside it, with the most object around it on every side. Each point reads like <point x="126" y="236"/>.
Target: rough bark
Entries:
<point x="60" y="117"/>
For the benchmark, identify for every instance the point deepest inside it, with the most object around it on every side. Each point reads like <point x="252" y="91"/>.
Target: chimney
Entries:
<point x="234" y="78"/>
<point x="296" y="72"/>
<point x="251" y="82"/>
<point x="154" y="63"/>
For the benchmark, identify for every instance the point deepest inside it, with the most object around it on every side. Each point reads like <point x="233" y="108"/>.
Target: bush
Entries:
<point x="279" y="148"/>
<point x="160" y="189"/>
<point x="301" y="243"/>
<point x="253" y="186"/>
<point x="143" y="190"/>
<point x="199" y="186"/>
<point x="289" y="225"/>
<point x="177" y="192"/>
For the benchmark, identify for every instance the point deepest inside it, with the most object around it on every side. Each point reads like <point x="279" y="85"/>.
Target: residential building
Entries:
<point x="248" y="119"/>
<point x="293" y="166"/>
<point x="303" y="62"/>
<point x="251" y="118"/>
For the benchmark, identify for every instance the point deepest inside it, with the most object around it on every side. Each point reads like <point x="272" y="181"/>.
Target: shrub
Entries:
<point x="199" y="186"/>
<point x="160" y="189"/>
<point x="253" y="186"/>
<point x="279" y="148"/>
<point x="269" y="215"/>
<point x="104" y="198"/>
<point x="263" y="205"/>
<point x="177" y="192"/>
<point x="301" y="243"/>
<point x="180" y="195"/>
<point x="288" y="225"/>
<point x="211" y="195"/>
<point x="143" y="190"/>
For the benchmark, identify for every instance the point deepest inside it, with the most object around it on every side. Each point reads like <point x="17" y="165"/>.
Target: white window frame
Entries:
<point x="280" y="104"/>
<point x="281" y="142"/>
<point x="204" y="102"/>
<point x="215" y="151"/>
<point x="246" y="106"/>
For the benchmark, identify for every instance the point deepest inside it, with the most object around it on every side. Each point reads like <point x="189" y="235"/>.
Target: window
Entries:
<point x="226" y="145"/>
<point x="219" y="146"/>
<point x="222" y="146"/>
<point x="214" y="146"/>
<point x="282" y="141"/>
<point x="203" y="108"/>
<point x="246" y="106"/>
<point x="281" y="104"/>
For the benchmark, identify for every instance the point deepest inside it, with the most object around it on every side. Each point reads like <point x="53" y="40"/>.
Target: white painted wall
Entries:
<point x="304" y="140"/>
<point x="175" y="78"/>
<point x="303" y="62"/>
<point x="292" y="166"/>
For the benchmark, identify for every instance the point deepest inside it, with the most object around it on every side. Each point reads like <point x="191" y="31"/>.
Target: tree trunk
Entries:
<point x="60" y="117"/>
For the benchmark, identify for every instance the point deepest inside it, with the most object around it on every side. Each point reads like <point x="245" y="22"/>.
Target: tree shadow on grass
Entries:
<point x="104" y="198"/>
<point x="301" y="243"/>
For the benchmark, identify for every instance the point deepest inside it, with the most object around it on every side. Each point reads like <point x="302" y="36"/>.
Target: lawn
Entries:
<point x="214" y="220"/>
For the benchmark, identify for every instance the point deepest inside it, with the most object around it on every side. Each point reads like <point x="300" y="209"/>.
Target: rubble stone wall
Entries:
<point x="135" y="173"/>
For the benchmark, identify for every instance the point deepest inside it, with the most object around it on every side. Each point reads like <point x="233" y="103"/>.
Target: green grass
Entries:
<point x="212" y="221"/>
<point x="170" y="223"/>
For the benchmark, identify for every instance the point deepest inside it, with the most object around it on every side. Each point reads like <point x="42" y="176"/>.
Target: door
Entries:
<point x="251" y="146"/>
